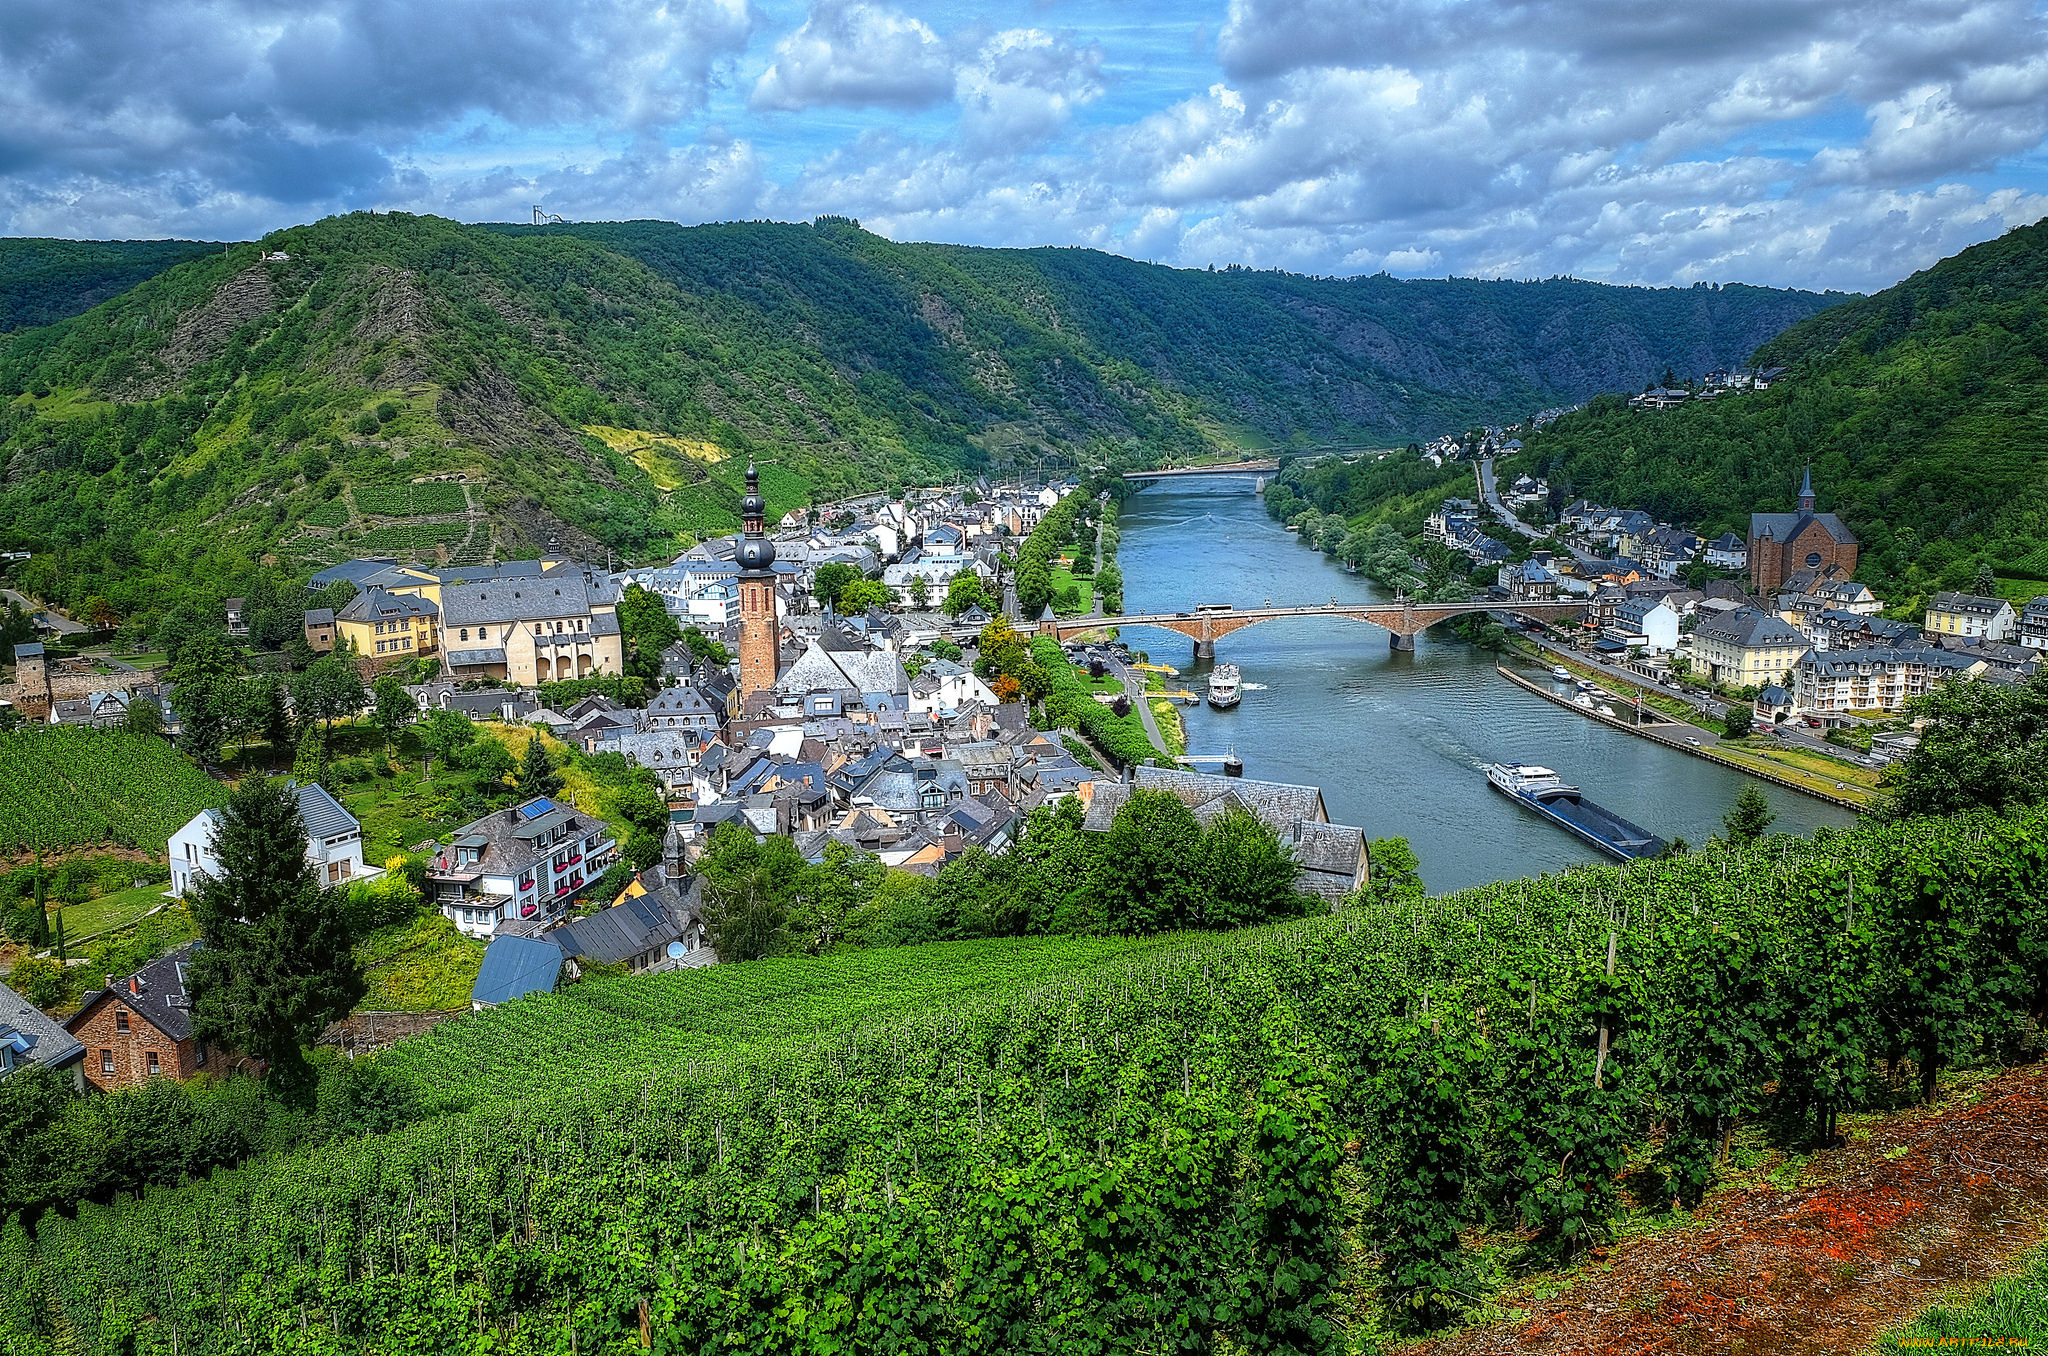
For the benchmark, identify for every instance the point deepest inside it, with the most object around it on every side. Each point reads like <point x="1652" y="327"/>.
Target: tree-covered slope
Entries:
<point x="1919" y="409"/>
<point x="44" y="281"/>
<point x="598" y="386"/>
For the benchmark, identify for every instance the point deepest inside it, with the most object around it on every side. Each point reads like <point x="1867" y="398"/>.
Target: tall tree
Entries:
<point x="444" y="735"/>
<point x="1248" y="876"/>
<point x="1749" y="818"/>
<point x="831" y="577"/>
<point x="275" y="966"/>
<point x="649" y="629"/>
<point x="327" y="691"/>
<point x="1984" y="745"/>
<point x="394" y="708"/>
<point x="920" y="593"/>
<point x="1146" y="879"/>
<point x="537" y="773"/>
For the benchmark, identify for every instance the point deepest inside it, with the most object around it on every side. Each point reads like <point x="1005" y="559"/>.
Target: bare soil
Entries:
<point x="1871" y="1234"/>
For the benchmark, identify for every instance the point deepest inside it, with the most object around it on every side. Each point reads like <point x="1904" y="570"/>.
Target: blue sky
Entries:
<point x="1786" y="142"/>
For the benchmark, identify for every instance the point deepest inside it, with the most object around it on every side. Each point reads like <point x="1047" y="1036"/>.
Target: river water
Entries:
<point x="1398" y="742"/>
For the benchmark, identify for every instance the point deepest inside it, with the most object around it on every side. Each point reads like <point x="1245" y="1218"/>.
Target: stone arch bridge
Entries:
<point x="1403" y="619"/>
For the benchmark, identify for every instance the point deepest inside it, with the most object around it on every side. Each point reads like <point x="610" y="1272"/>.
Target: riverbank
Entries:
<point x="1666" y="732"/>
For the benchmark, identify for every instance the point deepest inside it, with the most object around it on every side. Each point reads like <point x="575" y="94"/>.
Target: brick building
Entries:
<point x="140" y="1027"/>
<point x="1784" y="544"/>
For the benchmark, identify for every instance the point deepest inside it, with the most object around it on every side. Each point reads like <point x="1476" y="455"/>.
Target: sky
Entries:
<point x="1808" y="143"/>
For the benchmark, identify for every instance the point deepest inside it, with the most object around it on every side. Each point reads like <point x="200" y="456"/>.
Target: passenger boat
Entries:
<point x="1561" y="673"/>
<point x="1543" y="791"/>
<point x="1226" y="687"/>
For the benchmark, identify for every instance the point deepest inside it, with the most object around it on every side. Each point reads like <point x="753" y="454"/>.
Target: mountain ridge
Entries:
<point x="227" y="411"/>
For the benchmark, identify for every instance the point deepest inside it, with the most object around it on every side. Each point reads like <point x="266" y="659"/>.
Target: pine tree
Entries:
<point x="537" y="774"/>
<point x="275" y="965"/>
<point x="1750" y="816"/>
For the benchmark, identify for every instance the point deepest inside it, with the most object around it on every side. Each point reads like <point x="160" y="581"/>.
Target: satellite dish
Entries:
<point x="675" y="950"/>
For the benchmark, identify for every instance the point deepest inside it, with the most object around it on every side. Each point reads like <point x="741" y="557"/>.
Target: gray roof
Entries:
<point x="322" y="814"/>
<point x="28" y="649"/>
<point x="624" y="930"/>
<point x="1750" y="628"/>
<point x="514" y="967"/>
<point x="464" y="658"/>
<point x="820" y="669"/>
<point x="374" y="604"/>
<point x="1967" y="602"/>
<point x="357" y="572"/>
<point x="1786" y="526"/>
<point x="495" y="602"/>
<point x="161" y="1000"/>
<point x="1333" y="848"/>
<point x="1277" y="804"/>
<point x="1833" y="663"/>
<point x="319" y="616"/>
<point x="34" y="1035"/>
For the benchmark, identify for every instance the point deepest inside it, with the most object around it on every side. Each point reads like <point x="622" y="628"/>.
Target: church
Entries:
<point x="1788" y="550"/>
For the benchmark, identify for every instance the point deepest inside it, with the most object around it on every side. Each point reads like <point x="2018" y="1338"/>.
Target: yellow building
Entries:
<point x="1747" y="648"/>
<point x="381" y="624"/>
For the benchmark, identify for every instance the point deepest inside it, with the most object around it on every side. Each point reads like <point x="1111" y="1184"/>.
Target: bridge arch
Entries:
<point x="1403" y="620"/>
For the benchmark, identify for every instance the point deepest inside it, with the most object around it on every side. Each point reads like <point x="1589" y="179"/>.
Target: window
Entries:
<point x="120" y="1019"/>
<point x="465" y="633"/>
<point x="106" y="1061"/>
<point x="200" y="1058"/>
<point x="1812" y="558"/>
<point x="154" y="1068"/>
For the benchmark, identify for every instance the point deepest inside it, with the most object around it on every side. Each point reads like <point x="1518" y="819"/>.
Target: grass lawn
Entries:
<point x="1809" y="770"/>
<point x="426" y="965"/>
<point x="2013" y="1308"/>
<point x="1061" y="577"/>
<point x="400" y="810"/>
<point x="111" y="911"/>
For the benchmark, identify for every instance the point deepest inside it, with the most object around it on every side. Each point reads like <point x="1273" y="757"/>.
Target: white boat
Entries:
<point x="1561" y="673"/>
<point x="1225" y="687"/>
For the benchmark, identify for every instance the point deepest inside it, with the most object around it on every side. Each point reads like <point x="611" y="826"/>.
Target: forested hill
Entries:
<point x="44" y="281"/>
<point x="599" y="385"/>
<point x="1920" y="409"/>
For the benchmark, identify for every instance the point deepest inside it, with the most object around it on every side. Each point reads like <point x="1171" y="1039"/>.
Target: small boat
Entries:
<point x="1561" y="673"/>
<point x="1226" y="687"/>
<point x="1584" y="686"/>
<point x="1546" y="793"/>
<point x="1583" y="700"/>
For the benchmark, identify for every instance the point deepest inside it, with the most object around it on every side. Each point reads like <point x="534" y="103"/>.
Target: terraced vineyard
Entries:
<point x="410" y="501"/>
<point x="62" y="787"/>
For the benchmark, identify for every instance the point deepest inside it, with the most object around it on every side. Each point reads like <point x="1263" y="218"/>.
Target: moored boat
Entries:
<point x="1226" y="687"/>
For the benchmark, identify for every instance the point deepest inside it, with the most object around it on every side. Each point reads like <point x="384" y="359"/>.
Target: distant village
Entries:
<point x="1779" y="620"/>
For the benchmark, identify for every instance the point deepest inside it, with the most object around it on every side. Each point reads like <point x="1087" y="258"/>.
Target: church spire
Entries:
<point x="1806" y="492"/>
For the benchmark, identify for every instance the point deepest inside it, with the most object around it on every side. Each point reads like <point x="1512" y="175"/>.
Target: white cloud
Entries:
<point x="1023" y="86"/>
<point x="853" y="54"/>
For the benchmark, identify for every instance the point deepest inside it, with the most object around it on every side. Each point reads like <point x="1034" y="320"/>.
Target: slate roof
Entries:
<point x="28" y="649"/>
<point x="322" y="814"/>
<point x="1786" y="526"/>
<point x="463" y="658"/>
<point x="514" y="967"/>
<point x="319" y="616"/>
<point x="1332" y="848"/>
<point x="820" y="669"/>
<point x="1967" y="603"/>
<point x="374" y="605"/>
<point x="357" y="572"/>
<point x="565" y="593"/>
<point x="34" y="1035"/>
<point x="162" y="1000"/>
<point x="1833" y="663"/>
<point x="1277" y="804"/>
<point x="1750" y="628"/>
<point x="621" y="932"/>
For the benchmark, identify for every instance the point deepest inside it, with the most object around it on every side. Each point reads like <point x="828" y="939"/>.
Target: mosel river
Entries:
<point x="1398" y="742"/>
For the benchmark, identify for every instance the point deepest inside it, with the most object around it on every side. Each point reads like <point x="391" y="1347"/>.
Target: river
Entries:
<point x="1397" y="741"/>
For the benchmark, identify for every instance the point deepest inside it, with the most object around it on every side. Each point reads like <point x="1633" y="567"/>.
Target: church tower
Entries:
<point x="760" y="641"/>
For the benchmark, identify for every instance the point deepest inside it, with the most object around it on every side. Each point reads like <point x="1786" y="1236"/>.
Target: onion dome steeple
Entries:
<point x="756" y="552"/>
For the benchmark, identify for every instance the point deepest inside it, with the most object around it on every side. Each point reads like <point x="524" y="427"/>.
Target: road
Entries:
<point x="63" y="626"/>
<point x="1489" y="491"/>
<point x="1134" y="689"/>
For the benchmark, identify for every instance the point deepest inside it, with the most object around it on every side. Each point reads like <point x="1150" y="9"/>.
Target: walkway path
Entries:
<point x="1134" y="689"/>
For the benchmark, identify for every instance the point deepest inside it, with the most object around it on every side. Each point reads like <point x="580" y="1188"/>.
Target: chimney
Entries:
<point x="134" y="984"/>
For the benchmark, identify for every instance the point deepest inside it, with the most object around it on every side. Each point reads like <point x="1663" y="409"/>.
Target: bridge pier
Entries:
<point x="1205" y="649"/>
<point x="1397" y="641"/>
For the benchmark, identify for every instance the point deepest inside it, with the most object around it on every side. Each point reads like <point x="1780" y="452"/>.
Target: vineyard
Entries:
<point x="333" y="513"/>
<point x="411" y="537"/>
<point x="410" y="501"/>
<point x="63" y="787"/>
<point x="1237" y="1141"/>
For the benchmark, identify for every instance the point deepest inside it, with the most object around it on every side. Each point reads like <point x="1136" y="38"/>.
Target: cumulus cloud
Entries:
<point x="1024" y="85"/>
<point x="853" y="54"/>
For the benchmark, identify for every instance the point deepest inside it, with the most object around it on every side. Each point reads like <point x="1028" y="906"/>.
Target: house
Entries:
<point x="1649" y="622"/>
<point x="140" y="1028"/>
<point x="486" y="703"/>
<point x="385" y="625"/>
<point x="1832" y="630"/>
<point x="237" y="617"/>
<point x="1773" y="704"/>
<point x="682" y="708"/>
<point x="1727" y="552"/>
<point x="319" y="630"/>
<point x="96" y="710"/>
<point x="30" y="1036"/>
<point x="943" y="685"/>
<point x="1747" y="648"/>
<point x="334" y="843"/>
<point x="1528" y="581"/>
<point x="2032" y="628"/>
<point x="532" y="629"/>
<point x="1330" y="859"/>
<point x="515" y="967"/>
<point x="1667" y="550"/>
<point x="841" y="666"/>
<point x="1964" y="614"/>
<point x="520" y="866"/>
<point x="1880" y="678"/>
<point x="1781" y="544"/>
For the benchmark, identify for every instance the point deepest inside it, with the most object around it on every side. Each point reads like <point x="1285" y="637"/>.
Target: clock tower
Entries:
<point x="760" y="640"/>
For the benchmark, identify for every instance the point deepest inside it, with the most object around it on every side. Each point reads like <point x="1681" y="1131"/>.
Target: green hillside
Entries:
<point x="67" y="787"/>
<point x="1919" y="409"/>
<point x="600" y="386"/>
<point x="1302" y="1138"/>
<point x="44" y="281"/>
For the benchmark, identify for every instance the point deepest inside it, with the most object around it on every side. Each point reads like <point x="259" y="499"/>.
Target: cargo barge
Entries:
<point x="1547" y="794"/>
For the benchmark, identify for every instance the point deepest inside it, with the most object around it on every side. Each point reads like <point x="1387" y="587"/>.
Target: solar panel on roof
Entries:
<point x="537" y="808"/>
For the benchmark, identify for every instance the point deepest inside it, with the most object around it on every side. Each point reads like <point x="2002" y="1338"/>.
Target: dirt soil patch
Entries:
<point x="1871" y="1235"/>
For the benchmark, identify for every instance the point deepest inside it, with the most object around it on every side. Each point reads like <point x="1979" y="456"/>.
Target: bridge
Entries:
<point x="1403" y="619"/>
<point x="1229" y="468"/>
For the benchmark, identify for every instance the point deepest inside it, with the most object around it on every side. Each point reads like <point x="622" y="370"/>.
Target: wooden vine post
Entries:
<point x="1600" y="1064"/>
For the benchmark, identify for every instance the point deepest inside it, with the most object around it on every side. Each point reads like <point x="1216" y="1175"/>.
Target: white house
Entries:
<point x="1649" y="622"/>
<point x="945" y="686"/>
<point x="937" y="571"/>
<point x="334" y="843"/>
